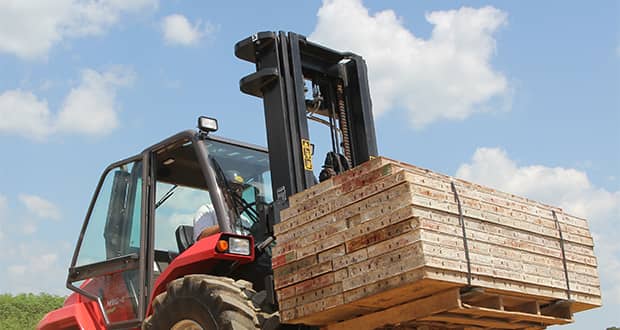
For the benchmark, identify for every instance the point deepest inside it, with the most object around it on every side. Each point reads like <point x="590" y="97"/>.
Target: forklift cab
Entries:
<point x="143" y="211"/>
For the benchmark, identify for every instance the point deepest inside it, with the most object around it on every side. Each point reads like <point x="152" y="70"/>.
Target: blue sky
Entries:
<point x="523" y="96"/>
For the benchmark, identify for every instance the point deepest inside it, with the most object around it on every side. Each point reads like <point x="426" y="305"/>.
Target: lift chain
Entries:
<point x="344" y="126"/>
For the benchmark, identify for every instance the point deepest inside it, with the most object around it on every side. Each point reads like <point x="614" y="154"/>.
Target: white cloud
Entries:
<point x="90" y="108"/>
<point x="448" y="76"/>
<point x="567" y="188"/>
<point x="40" y="206"/>
<point x="22" y="113"/>
<point x="31" y="27"/>
<point x="178" y="30"/>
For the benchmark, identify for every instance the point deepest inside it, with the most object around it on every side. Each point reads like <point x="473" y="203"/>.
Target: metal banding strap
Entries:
<point x="557" y="223"/>
<point x="462" y="222"/>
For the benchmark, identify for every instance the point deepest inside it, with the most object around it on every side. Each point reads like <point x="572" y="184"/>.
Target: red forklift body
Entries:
<point x="81" y="313"/>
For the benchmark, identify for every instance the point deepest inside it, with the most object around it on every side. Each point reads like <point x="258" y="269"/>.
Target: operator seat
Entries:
<point x="185" y="237"/>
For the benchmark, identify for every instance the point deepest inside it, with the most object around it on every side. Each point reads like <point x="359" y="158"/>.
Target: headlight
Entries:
<point x="238" y="245"/>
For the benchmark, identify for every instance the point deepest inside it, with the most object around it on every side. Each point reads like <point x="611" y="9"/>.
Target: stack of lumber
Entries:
<point x="386" y="234"/>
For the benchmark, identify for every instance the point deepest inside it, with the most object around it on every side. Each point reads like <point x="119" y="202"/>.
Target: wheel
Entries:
<point x="203" y="302"/>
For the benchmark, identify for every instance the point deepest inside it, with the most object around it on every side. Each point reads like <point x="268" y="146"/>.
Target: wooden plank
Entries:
<point x="288" y="315"/>
<point x="340" y="274"/>
<point x="500" y="274"/>
<point x="530" y="307"/>
<point x="285" y="293"/>
<point x="559" y="309"/>
<point x="324" y="232"/>
<point x="511" y="316"/>
<point x="289" y="274"/>
<point x="350" y="258"/>
<point x="495" y="302"/>
<point x="332" y="253"/>
<point x="282" y="248"/>
<point x="510" y="249"/>
<point x="306" y="286"/>
<point x="353" y="187"/>
<point x="374" y="185"/>
<point x="372" y="223"/>
<point x="314" y="283"/>
<point x="519" y="289"/>
<point x="339" y="180"/>
<point x="322" y="245"/>
<point x="506" y="259"/>
<point x="386" y="259"/>
<point x="290" y="269"/>
<point x="489" y="272"/>
<point x="283" y="259"/>
<point x="333" y="314"/>
<point x="402" y="313"/>
<point x="394" y="243"/>
<point x="396" y="290"/>
<point x="308" y="228"/>
<point x="311" y="296"/>
<point x="462" y="266"/>
<point x="318" y="306"/>
<point x="293" y="229"/>
<point x="504" y="218"/>
<point x="376" y="205"/>
<point x="376" y="236"/>
<point x="374" y="275"/>
<point x="316" y="270"/>
<point x="481" y="322"/>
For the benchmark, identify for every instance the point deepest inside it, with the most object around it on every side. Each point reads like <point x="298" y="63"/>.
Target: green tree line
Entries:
<point x="24" y="311"/>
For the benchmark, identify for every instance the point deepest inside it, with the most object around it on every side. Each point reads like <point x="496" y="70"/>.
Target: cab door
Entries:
<point x="108" y="264"/>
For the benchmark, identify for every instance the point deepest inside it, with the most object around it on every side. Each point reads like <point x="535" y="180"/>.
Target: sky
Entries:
<point x="523" y="96"/>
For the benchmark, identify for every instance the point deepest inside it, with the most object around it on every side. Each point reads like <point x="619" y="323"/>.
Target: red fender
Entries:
<point x="197" y="259"/>
<point x="75" y="313"/>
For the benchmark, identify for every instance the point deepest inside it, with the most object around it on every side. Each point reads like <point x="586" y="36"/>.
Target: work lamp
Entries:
<point x="207" y="124"/>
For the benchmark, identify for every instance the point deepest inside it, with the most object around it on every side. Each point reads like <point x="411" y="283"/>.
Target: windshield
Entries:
<point x="244" y="176"/>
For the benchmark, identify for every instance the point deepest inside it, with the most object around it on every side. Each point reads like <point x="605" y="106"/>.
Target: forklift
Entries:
<point x="138" y="262"/>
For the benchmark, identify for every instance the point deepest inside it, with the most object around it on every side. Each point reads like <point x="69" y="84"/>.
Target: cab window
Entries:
<point x="113" y="228"/>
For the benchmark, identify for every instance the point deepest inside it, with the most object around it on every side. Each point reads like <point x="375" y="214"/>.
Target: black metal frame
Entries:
<point x="283" y="61"/>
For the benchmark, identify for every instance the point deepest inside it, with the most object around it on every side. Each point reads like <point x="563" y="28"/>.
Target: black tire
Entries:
<point x="207" y="302"/>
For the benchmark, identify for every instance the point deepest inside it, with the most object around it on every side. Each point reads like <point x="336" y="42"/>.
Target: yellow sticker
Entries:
<point x="306" y="150"/>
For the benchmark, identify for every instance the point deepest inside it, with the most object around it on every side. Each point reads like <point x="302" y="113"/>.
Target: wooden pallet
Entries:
<point x="471" y="308"/>
<point x="386" y="233"/>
